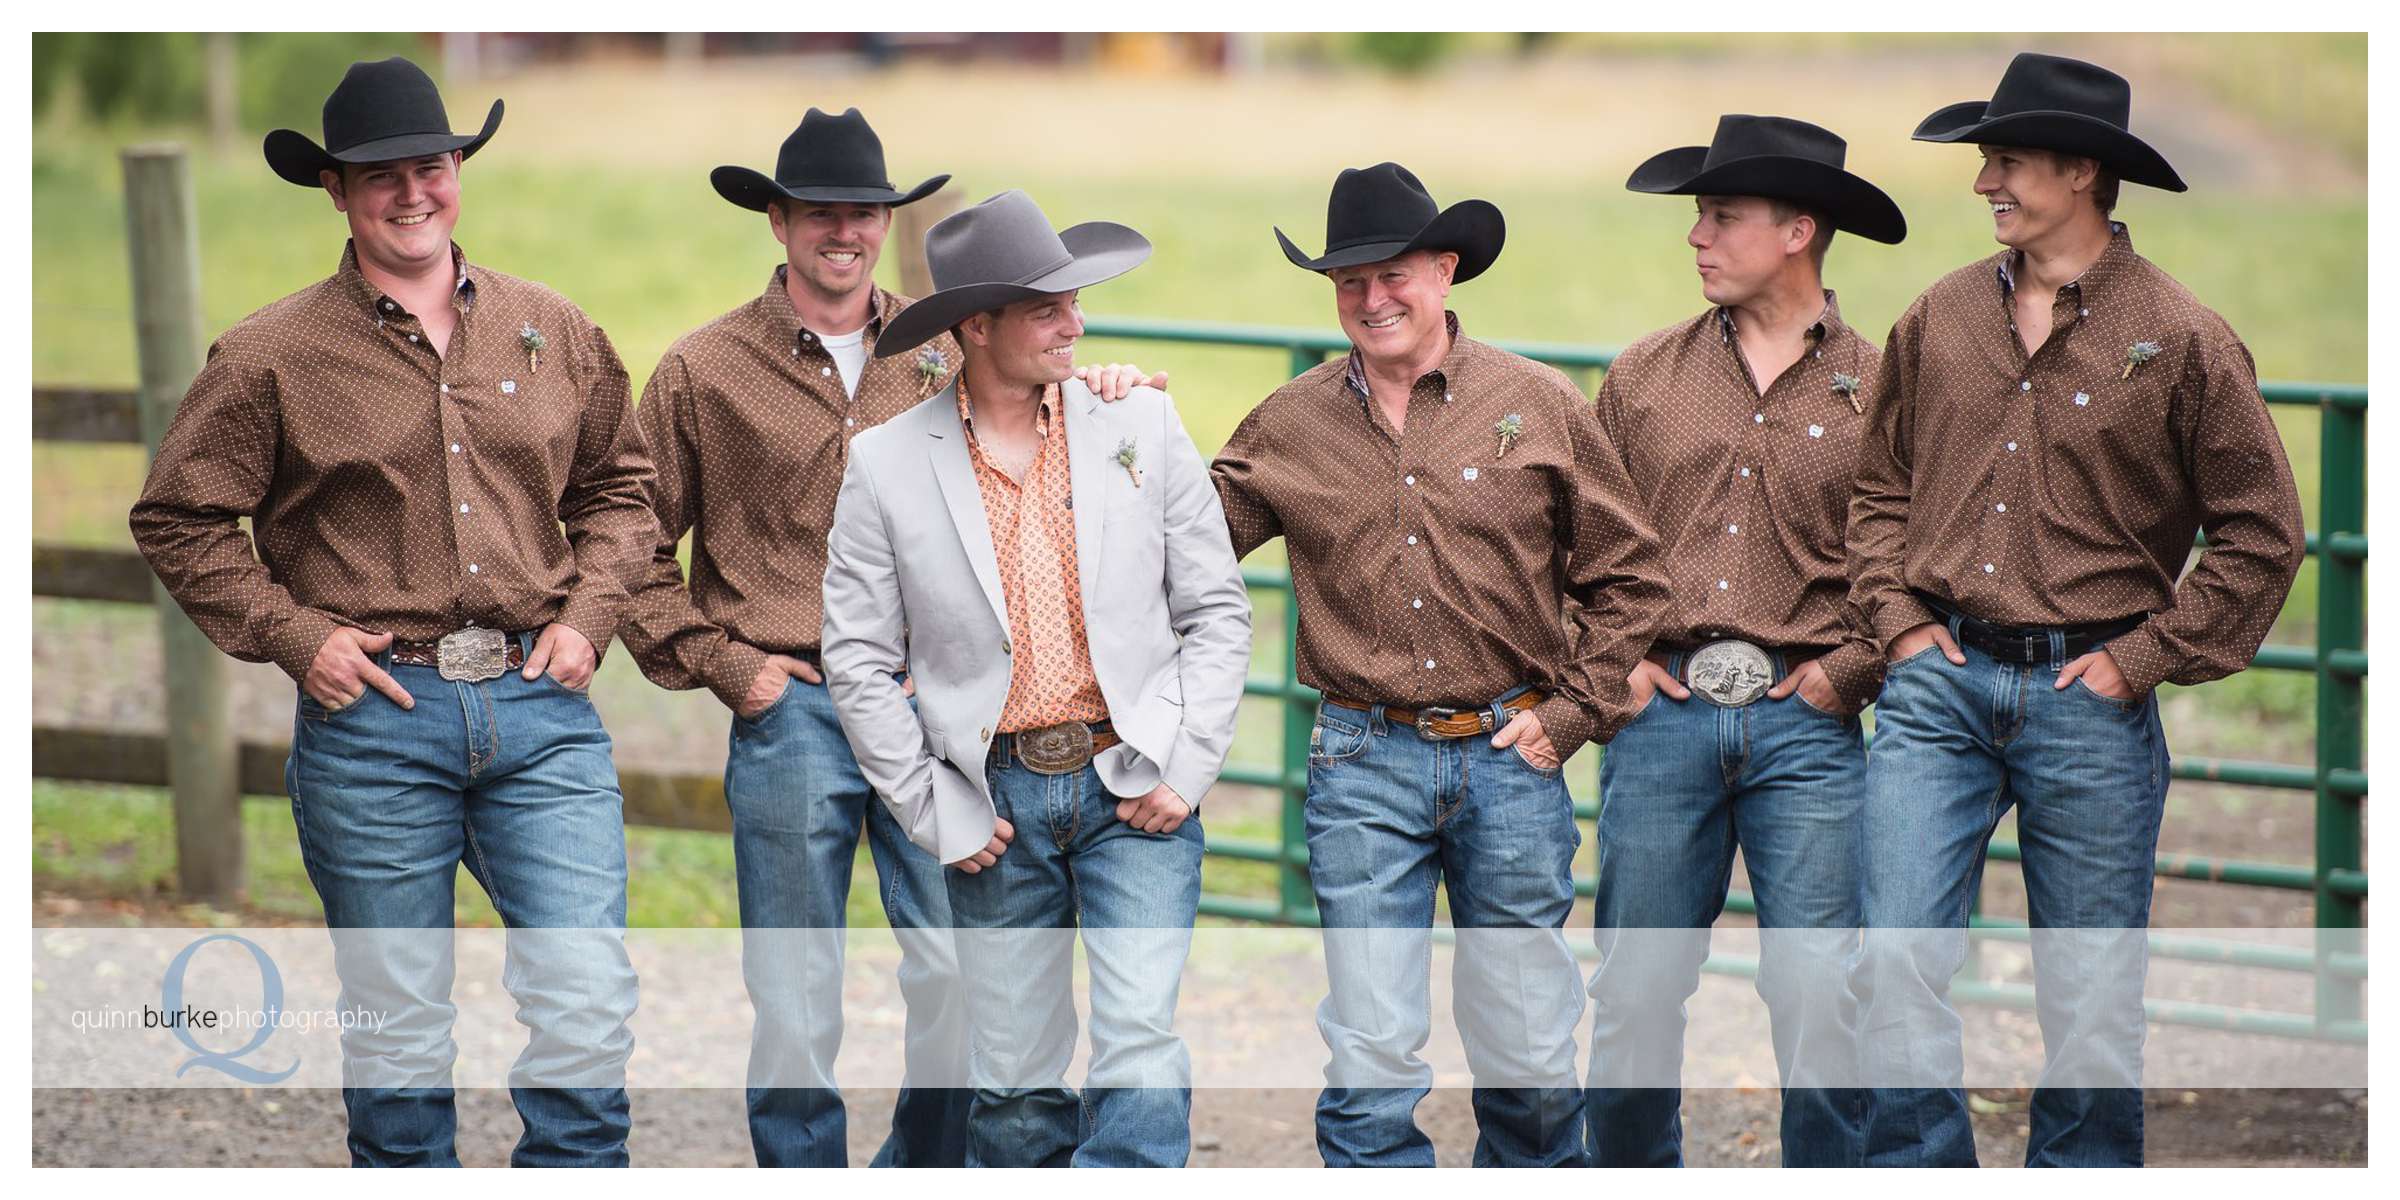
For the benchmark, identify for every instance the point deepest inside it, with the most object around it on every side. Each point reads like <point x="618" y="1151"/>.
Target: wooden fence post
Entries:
<point x="908" y="238"/>
<point x="162" y="237"/>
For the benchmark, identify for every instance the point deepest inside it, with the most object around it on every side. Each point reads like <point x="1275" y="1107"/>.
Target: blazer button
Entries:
<point x="987" y="735"/>
<point x="1005" y="648"/>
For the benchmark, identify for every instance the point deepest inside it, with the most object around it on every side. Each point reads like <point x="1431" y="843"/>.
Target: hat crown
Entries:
<point x="1004" y="239"/>
<point x="1381" y="203"/>
<point x="2049" y="83"/>
<point x="1740" y="136"/>
<point x="377" y="100"/>
<point x="830" y="151"/>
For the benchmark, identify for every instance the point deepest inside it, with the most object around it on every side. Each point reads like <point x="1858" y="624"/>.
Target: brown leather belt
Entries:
<point x="1448" y="722"/>
<point x="471" y="655"/>
<point x="1061" y="749"/>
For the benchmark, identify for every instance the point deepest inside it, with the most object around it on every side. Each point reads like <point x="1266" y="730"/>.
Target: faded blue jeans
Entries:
<point x="1684" y="786"/>
<point x="1074" y="866"/>
<point x="1955" y="747"/>
<point x="798" y="802"/>
<point x="1392" y="817"/>
<point x="513" y="779"/>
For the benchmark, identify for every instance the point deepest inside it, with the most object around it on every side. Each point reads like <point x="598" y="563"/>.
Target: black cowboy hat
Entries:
<point x="1781" y="159"/>
<point x="1382" y="212"/>
<point x="385" y="111"/>
<point x="1002" y="251"/>
<point x="827" y="159"/>
<point x="2050" y="103"/>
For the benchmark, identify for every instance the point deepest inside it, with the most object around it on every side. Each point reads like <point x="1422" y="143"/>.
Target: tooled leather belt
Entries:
<point x="1448" y="722"/>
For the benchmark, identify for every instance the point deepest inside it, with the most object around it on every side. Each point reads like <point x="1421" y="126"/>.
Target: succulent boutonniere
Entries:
<point x="1846" y="386"/>
<point x="930" y="367"/>
<point x="2137" y="354"/>
<point x="1509" y="428"/>
<point x="1129" y="457"/>
<point x="534" y="343"/>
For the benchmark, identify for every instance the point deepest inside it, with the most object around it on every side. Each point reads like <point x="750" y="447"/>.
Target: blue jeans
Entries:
<point x="514" y="779"/>
<point x="1392" y="816"/>
<point x="798" y="800"/>
<point x="1955" y="747"/>
<point x="1134" y="895"/>
<point x="1683" y="786"/>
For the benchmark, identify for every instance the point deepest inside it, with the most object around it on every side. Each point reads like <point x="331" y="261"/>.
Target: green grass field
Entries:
<point x="626" y="225"/>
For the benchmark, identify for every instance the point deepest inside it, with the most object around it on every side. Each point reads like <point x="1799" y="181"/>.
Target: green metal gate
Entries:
<point x="2337" y="880"/>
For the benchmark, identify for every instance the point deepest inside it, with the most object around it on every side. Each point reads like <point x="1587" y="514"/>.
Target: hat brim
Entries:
<point x="298" y="158"/>
<point x="1097" y="251"/>
<point x="2067" y="132"/>
<point x="1855" y="205"/>
<point x="1471" y="229"/>
<point x="755" y="191"/>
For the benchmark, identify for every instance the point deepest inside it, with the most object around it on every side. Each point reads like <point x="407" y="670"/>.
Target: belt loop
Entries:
<point x="1500" y="713"/>
<point x="2058" y="649"/>
<point x="1375" y="723"/>
<point x="1675" y="659"/>
<point x="1955" y="622"/>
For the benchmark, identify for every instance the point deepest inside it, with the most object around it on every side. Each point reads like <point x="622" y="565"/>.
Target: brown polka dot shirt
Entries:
<point x="1750" y="493"/>
<point x="1438" y="566"/>
<point x="393" y="488"/>
<point x="751" y="425"/>
<point x="2065" y="487"/>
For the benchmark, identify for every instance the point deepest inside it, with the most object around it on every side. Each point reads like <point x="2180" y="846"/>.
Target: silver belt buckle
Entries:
<point x="472" y="655"/>
<point x="1061" y="749"/>
<point x="1729" y="673"/>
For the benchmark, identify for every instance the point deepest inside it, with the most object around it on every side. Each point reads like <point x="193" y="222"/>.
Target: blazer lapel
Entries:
<point x="1090" y="457"/>
<point x="946" y="447"/>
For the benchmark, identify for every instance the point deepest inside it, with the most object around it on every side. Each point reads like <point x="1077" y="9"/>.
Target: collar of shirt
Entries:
<point x="777" y="305"/>
<point x="2113" y="260"/>
<point x="1041" y="416"/>
<point x="1354" y="371"/>
<point x="380" y="306"/>
<point x="1828" y="321"/>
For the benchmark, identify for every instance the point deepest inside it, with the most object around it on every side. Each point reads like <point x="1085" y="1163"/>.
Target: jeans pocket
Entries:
<point x="1335" y="740"/>
<point x="790" y="684"/>
<point x="313" y="709"/>
<point x="1518" y="749"/>
<point x="585" y="691"/>
<point x="2124" y="706"/>
<point x="1911" y="660"/>
<point x="1804" y="702"/>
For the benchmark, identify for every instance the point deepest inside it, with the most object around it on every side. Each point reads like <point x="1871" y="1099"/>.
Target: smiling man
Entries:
<point x="1054" y="574"/>
<point x="1740" y="428"/>
<point x="444" y="483"/>
<point x="1475" y="579"/>
<point x="2051" y="426"/>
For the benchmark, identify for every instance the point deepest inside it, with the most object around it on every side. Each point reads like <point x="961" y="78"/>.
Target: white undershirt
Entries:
<point x="849" y="353"/>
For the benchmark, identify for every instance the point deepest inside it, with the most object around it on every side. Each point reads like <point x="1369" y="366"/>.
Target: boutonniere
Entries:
<point x="1846" y="386"/>
<point x="930" y="368"/>
<point x="1509" y="428"/>
<point x="2137" y="354"/>
<point x="532" y="338"/>
<point x="1128" y="456"/>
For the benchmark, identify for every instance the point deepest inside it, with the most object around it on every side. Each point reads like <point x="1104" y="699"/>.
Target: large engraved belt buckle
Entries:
<point x="1427" y="718"/>
<point x="1729" y="673"/>
<point x="472" y="655"/>
<point x="1056" y="749"/>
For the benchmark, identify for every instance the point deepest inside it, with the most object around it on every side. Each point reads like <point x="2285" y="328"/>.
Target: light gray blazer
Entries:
<point x="911" y="583"/>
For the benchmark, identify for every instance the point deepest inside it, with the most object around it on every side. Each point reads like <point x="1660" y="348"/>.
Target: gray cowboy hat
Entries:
<point x="385" y="111"/>
<point x="1002" y="251"/>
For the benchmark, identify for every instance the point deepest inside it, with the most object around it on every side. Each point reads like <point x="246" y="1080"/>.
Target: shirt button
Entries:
<point x="848" y="422"/>
<point x="1987" y="568"/>
<point x="1722" y="585"/>
<point x="824" y="370"/>
<point x="1999" y="508"/>
<point x="1412" y="539"/>
<point x="2083" y="312"/>
<point x="445" y="389"/>
<point x="1429" y="664"/>
<point x="807" y="336"/>
<point x="1445" y="397"/>
<point x="454" y="447"/>
<point x="1733" y="529"/>
<point x="1745" y="472"/>
<point x="388" y="306"/>
<point x="2024" y="385"/>
<point x="462" y="508"/>
<point x="2012" y="447"/>
<point x="1419" y="602"/>
<point x="472" y="569"/>
<point x="1410" y="480"/>
<point x="1758" y="418"/>
<point x="412" y="337"/>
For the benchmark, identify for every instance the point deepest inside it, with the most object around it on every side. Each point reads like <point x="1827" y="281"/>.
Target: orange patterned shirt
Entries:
<point x="1050" y="677"/>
